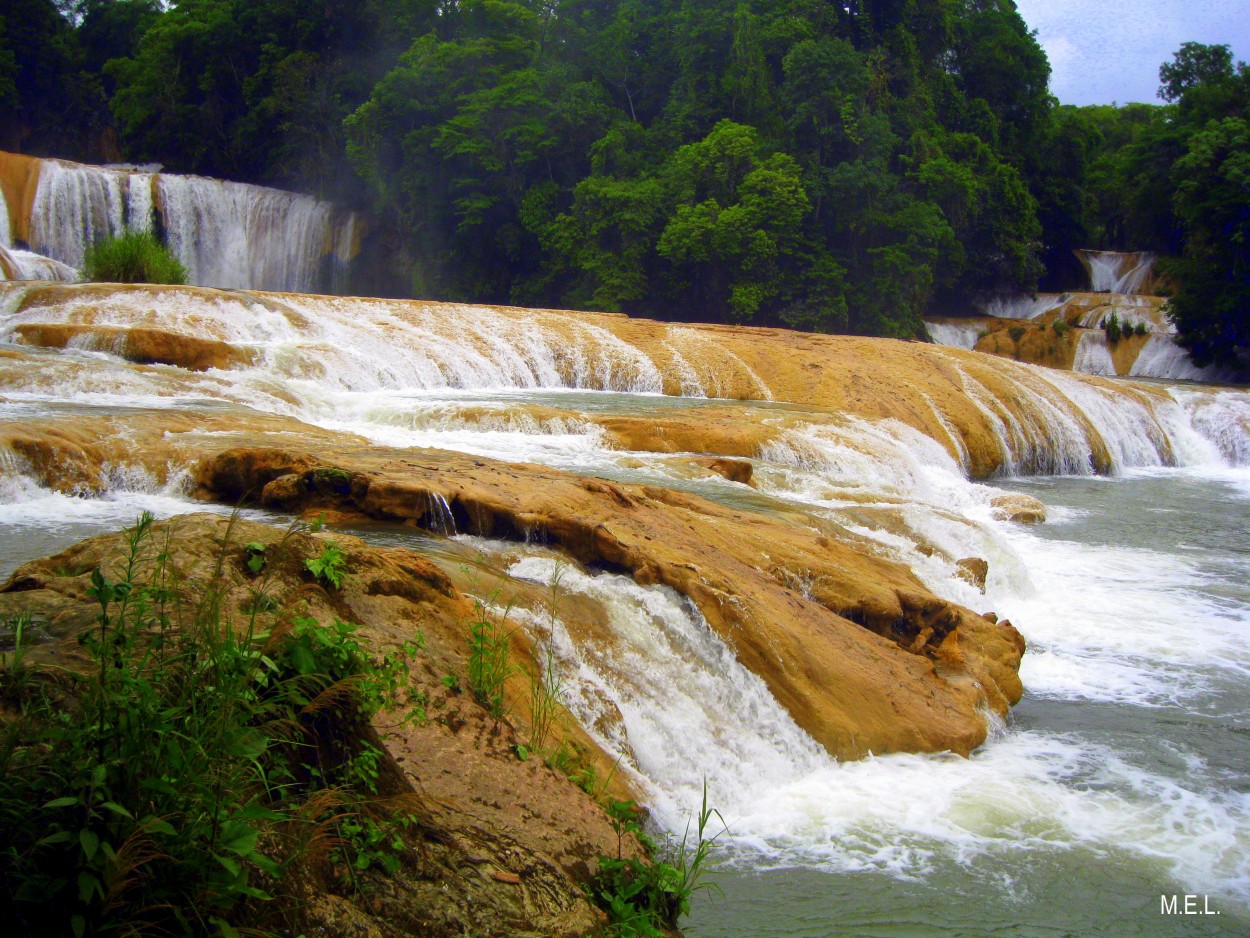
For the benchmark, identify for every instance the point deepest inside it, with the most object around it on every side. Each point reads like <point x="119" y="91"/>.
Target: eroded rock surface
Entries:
<point x="859" y="652"/>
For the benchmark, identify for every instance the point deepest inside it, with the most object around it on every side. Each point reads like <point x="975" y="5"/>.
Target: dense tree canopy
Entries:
<point x="830" y="165"/>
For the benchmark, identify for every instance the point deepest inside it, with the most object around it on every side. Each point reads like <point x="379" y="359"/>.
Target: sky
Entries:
<point x="1105" y="51"/>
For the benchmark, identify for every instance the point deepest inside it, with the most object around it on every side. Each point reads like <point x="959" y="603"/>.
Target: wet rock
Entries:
<point x="973" y="570"/>
<point x="1022" y="509"/>
<point x="735" y="470"/>
<point x="828" y="628"/>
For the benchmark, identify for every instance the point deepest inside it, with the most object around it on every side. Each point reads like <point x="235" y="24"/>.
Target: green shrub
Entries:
<point x="1061" y="327"/>
<point x="132" y="257"/>
<point x="1016" y="333"/>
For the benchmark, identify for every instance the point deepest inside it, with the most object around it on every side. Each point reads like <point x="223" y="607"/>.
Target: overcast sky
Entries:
<point x="1104" y="51"/>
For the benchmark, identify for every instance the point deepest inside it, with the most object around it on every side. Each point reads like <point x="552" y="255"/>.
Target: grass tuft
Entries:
<point x="132" y="257"/>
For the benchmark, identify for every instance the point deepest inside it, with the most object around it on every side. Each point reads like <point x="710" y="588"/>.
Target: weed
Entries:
<point x="329" y="567"/>
<point x="641" y="897"/>
<point x="254" y="552"/>
<point x="488" y="656"/>
<point x="546" y="684"/>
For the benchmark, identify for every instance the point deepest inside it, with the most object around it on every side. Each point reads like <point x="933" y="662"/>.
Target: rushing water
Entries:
<point x="1122" y="777"/>
<point x="1124" y="774"/>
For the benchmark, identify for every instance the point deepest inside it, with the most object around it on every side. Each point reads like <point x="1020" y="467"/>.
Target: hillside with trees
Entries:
<point x="840" y="167"/>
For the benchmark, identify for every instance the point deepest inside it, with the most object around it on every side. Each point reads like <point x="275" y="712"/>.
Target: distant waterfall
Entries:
<point x="1112" y="272"/>
<point x="226" y="234"/>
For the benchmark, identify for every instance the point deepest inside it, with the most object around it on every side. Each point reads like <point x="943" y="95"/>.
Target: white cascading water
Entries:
<point x="953" y="335"/>
<point x="669" y="699"/>
<point x="1130" y="311"/>
<point x="233" y="235"/>
<point x="1161" y="357"/>
<point x="76" y="205"/>
<point x="226" y="234"/>
<point x="1093" y="356"/>
<point x="6" y="230"/>
<point x="1112" y="272"/>
<point x="32" y="266"/>
<point x="1021" y="305"/>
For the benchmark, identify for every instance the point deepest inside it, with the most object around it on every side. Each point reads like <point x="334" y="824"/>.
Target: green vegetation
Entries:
<point x="328" y="567"/>
<point x="196" y="777"/>
<point x="1172" y="179"/>
<point x="829" y="166"/>
<point x="489" y="666"/>
<point x="641" y="897"/>
<point x="132" y="257"/>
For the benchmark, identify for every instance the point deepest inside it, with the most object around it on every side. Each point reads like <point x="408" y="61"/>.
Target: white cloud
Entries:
<point x="1103" y="51"/>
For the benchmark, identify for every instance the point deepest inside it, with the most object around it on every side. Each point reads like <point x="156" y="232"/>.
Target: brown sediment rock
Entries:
<point x="1023" y="509"/>
<point x="955" y="397"/>
<point x="138" y="344"/>
<point x="863" y="657"/>
<point x="502" y="846"/>
<point x="973" y="570"/>
<point x="735" y="470"/>
<point x="19" y="178"/>
<point x="852" y="645"/>
<point x="1035" y="342"/>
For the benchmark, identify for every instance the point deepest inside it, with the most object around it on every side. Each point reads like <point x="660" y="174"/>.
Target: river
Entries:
<point x="1121" y="780"/>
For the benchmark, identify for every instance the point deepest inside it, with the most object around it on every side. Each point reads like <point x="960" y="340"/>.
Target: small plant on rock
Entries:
<point x="329" y="567"/>
<point x="641" y="897"/>
<point x="488" y="657"/>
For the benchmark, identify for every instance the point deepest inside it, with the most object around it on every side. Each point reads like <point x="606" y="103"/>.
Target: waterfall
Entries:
<point x="1161" y="357"/>
<point x="6" y="230"/>
<point x="953" y="335"/>
<point x="1130" y="311"/>
<point x="226" y="234"/>
<point x="1020" y="305"/>
<point x="669" y="699"/>
<point x="233" y="235"/>
<point x="1112" y="272"/>
<point x="27" y="265"/>
<point x="1093" y="357"/>
<point x="76" y="205"/>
